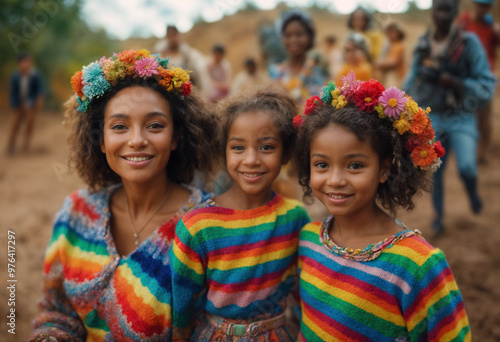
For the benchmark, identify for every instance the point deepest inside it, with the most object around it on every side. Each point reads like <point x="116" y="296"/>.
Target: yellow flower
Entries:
<point x="427" y="110"/>
<point x="401" y="125"/>
<point x="335" y="93"/>
<point x="179" y="77"/>
<point x="411" y="107"/>
<point x="339" y="102"/>
<point x="380" y="110"/>
<point x="143" y="53"/>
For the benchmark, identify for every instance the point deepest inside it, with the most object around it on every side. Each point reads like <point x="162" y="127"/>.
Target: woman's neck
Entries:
<point x="145" y="197"/>
<point x="296" y="63"/>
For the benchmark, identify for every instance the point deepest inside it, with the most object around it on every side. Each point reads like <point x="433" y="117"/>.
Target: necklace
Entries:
<point x="136" y="232"/>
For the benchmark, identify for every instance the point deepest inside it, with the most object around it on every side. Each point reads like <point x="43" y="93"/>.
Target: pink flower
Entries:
<point x="394" y="102"/>
<point x="146" y="66"/>
<point x="349" y="85"/>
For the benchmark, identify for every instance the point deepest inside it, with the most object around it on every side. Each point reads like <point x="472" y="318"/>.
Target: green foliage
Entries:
<point x="54" y="34"/>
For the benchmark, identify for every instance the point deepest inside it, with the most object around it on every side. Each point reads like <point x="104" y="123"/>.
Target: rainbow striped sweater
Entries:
<point x="92" y="293"/>
<point x="235" y="264"/>
<point x="407" y="293"/>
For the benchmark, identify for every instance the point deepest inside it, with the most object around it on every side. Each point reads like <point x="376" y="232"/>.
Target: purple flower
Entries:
<point x="147" y="66"/>
<point x="349" y="85"/>
<point x="394" y="102"/>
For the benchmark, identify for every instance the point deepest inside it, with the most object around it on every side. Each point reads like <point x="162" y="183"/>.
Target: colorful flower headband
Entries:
<point x="98" y="77"/>
<point x="391" y="104"/>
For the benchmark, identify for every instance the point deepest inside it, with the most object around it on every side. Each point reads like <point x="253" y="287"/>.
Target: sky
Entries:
<point x="146" y="18"/>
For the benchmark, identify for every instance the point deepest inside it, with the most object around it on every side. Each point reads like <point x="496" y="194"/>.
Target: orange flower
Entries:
<point x="76" y="83"/>
<point x="427" y="134"/>
<point x="423" y="155"/>
<point x="420" y="122"/>
<point x="127" y="56"/>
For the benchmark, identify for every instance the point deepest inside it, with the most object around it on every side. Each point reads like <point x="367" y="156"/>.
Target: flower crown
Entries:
<point x="98" y="77"/>
<point x="392" y="105"/>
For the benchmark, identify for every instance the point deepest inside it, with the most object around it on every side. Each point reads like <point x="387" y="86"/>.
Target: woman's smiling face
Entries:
<point x="138" y="134"/>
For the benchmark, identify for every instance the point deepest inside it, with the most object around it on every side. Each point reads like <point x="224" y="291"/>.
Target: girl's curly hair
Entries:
<point x="275" y="102"/>
<point x="404" y="181"/>
<point x="195" y="129"/>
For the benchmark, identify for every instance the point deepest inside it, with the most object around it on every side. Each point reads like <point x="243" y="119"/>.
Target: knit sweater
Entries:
<point x="406" y="293"/>
<point x="91" y="292"/>
<point x="239" y="264"/>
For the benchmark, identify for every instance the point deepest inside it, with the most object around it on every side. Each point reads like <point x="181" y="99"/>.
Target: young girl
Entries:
<point x="392" y="67"/>
<point x="137" y="135"/>
<point x="235" y="259"/>
<point x="364" y="276"/>
<point x="356" y="58"/>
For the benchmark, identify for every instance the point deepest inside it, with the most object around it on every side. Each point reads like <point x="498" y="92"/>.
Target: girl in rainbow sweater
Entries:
<point x="234" y="261"/>
<point x="364" y="276"/>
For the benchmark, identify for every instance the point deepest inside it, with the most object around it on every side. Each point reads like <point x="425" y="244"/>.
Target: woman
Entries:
<point x="298" y="74"/>
<point x="137" y="138"/>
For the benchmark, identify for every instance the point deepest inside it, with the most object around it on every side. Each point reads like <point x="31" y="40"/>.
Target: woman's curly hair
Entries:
<point x="273" y="101"/>
<point x="195" y="129"/>
<point x="404" y="180"/>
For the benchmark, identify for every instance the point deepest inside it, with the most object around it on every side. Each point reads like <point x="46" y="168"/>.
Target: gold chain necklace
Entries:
<point x="136" y="232"/>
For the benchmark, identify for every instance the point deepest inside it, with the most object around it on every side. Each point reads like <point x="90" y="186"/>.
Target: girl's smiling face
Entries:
<point x="138" y="134"/>
<point x="345" y="171"/>
<point x="254" y="153"/>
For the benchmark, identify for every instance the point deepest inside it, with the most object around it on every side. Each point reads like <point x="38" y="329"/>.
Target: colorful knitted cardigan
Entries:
<point x="90" y="292"/>
<point x="406" y="293"/>
<point x="239" y="264"/>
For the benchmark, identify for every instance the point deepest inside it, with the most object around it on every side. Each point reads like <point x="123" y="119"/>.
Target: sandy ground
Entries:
<point x="33" y="186"/>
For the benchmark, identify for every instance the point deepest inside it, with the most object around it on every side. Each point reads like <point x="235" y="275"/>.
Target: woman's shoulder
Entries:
<point x="88" y="203"/>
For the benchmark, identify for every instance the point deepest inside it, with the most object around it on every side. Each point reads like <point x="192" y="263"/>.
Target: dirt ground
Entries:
<point x="33" y="186"/>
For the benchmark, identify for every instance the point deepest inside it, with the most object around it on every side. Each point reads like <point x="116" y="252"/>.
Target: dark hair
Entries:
<point x="194" y="131"/>
<point x="360" y="42"/>
<point x="172" y="28"/>
<point x="368" y="18"/>
<point x="331" y="39"/>
<point x="404" y="181"/>
<point x="23" y="55"/>
<point x="250" y="62"/>
<point x="397" y="28"/>
<point x="303" y="18"/>
<point x="218" y="47"/>
<point x="275" y="102"/>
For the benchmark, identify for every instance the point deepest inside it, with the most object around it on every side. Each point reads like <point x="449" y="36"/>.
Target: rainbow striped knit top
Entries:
<point x="91" y="292"/>
<point x="239" y="264"/>
<point x="407" y="293"/>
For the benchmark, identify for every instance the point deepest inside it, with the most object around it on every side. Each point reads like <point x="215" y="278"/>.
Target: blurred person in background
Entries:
<point x="391" y="69"/>
<point x="26" y="99"/>
<point x="356" y="58"/>
<point x="480" y="21"/>
<point x="362" y="21"/>
<point x="450" y="73"/>
<point x="333" y="56"/>
<point x="298" y="74"/>
<point x="250" y="78"/>
<point x="219" y="72"/>
<point x="183" y="56"/>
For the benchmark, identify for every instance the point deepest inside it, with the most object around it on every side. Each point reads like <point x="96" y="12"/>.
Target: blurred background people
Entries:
<point x="480" y="21"/>
<point x="218" y="71"/>
<point x="356" y="58"/>
<point x="362" y="21"/>
<point x="334" y="57"/>
<point x="451" y="74"/>
<point x="298" y="74"/>
<point x="26" y="99"/>
<point x="183" y="56"/>
<point x="390" y="70"/>
<point x="250" y="78"/>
